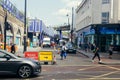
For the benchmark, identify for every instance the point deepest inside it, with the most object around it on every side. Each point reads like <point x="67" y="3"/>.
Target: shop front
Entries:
<point x="102" y="35"/>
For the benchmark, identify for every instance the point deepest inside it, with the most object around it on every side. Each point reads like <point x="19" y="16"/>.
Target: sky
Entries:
<point x="51" y="12"/>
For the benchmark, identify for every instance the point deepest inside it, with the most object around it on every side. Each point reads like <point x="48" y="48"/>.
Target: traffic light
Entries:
<point x="7" y="26"/>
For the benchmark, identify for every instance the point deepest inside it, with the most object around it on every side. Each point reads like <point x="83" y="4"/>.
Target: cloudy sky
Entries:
<point x="52" y="12"/>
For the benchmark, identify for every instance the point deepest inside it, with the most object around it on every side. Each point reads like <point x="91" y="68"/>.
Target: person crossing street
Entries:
<point x="96" y="53"/>
<point x="63" y="52"/>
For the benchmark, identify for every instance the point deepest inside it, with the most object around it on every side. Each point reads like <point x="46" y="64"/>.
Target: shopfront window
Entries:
<point x="118" y="39"/>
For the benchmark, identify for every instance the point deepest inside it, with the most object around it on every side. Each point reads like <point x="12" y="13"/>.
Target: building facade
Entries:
<point x="37" y="30"/>
<point x="96" y="20"/>
<point x="15" y="32"/>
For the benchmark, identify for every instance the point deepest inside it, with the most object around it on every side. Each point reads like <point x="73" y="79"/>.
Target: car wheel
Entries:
<point x="24" y="71"/>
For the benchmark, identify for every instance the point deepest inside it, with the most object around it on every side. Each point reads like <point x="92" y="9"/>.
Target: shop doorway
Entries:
<point x="102" y="43"/>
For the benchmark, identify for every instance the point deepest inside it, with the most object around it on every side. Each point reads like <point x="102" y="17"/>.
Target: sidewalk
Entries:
<point x="104" y="56"/>
<point x="20" y="50"/>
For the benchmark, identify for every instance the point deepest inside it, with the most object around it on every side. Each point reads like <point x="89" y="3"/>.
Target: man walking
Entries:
<point x="63" y="51"/>
<point x="13" y="49"/>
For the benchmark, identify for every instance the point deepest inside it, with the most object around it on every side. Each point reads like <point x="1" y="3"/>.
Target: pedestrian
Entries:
<point x="96" y="53"/>
<point x="54" y="59"/>
<point x="63" y="51"/>
<point x="13" y="49"/>
<point x="110" y="51"/>
<point x="92" y="47"/>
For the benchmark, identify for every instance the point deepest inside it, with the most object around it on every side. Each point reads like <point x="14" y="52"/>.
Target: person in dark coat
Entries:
<point x="96" y="54"/>
<point x="110" y="51"/>
<point x="13" y="49"/>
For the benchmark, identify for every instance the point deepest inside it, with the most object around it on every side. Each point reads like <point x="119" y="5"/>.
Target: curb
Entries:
<point x="89" y="56"/>
<point x="109" y="63"/>
<point x="103" y="63"/>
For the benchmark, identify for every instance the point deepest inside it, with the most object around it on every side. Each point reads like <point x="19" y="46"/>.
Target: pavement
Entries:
<point x="115" y="60"/>
<point x="20" y="53"/>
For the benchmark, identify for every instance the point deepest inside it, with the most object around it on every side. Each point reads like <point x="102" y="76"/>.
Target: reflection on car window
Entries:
<point x="2" y="54"/>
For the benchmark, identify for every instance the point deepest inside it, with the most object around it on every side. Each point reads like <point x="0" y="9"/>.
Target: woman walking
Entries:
<point x="96" y="54"/>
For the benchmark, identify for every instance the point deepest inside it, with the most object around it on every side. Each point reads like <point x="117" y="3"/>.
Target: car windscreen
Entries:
<point x="69" y="45"/>
<point x="46" y="42"/>
<point x="8" y="53"/>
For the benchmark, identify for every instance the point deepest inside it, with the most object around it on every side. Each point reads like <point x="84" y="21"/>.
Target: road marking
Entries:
<point x="113" y="68"/>
<point x="105" y="74"/>
<point x="76" y="65"/>
<point x="41" y="77"/>
<point x="97" y="79"/>
<point x="44" y="70"/>
<point x="101" y="79"/>
<point x="87" y="68"/>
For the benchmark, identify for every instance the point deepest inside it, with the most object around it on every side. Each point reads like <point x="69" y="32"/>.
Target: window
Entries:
<point x="105" y="17"/>
<point x="105" y="1"/>
<point x="2" y="55"/>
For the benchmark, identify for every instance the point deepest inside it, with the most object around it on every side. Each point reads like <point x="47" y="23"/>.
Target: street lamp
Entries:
<point x="68" y="19"/>
<point x="25" y="34"/>
<point x="72" y="25"/>
<point x="5" y="25"/>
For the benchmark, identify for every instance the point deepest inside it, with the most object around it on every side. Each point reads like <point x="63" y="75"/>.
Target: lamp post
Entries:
<point x="5" y="25"/>
<point x="68" y="24"/>
<point x="25" y="34"/>
<point x="72" y="25"/>
<point x="68" y="19"/>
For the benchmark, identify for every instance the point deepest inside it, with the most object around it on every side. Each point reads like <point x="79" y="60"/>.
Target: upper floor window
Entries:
<point x="105" y="1"/>
<point x="105" y="17"/>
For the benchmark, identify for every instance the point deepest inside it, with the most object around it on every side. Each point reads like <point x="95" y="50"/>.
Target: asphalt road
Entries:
<point x="75" y="67"/>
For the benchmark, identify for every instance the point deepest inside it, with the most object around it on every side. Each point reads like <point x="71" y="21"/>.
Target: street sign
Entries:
<point x="46" y="56"/>
<point x="33" y="55"/>
<point x="64" y="28"/>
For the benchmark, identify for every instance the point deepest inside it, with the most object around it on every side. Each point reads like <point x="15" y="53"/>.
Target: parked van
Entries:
<point x="46" y="42"/>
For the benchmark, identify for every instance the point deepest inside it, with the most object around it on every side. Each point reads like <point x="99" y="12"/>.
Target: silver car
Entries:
<point x="23" y="67"/>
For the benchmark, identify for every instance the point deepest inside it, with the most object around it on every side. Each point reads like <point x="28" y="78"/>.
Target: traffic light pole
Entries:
<point x="5" y="25"/>
<point x="25" y="34"/>
<point x="72" y="26"/>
